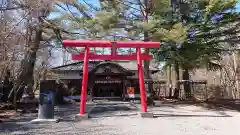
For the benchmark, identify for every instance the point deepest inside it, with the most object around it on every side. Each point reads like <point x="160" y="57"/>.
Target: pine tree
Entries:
<point x="205" y="33"/>
<point x="113" y="20"/>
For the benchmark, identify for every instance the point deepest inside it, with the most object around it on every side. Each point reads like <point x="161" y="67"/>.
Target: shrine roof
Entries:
<point x="128" y="65"/>
<point x="77" y="65"/>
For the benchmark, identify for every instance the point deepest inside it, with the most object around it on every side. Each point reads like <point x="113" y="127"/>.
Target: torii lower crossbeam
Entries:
<point x="114" y="45"/>
<point x="110" y="57"/>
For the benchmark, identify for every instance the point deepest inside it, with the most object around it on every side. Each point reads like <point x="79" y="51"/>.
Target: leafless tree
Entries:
<point x="229" y="76"/>
<point x="21" y="37"/>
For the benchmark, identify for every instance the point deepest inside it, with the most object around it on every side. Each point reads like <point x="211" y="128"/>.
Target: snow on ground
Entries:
<point x="170" y="120"/>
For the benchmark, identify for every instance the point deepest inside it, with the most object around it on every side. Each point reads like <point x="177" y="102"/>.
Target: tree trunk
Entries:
<point x="6" y="86"/>
<point x="177" y="89"/>
<point x="235" y="74"/>
<point x="146" y="63"/>
<point x="187" y="84"/>
<point x="170" y="80"/>
<point x="25" y="76"/>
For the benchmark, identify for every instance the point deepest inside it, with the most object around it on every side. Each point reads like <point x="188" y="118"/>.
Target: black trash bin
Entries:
<point x="46" y="106"/>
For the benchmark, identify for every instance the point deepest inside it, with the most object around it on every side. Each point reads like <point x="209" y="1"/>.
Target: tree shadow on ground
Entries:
<point x="182" y="115"/>
<point x="113" y="110"/>
<point x="68" y="112"/>
<point x="25" y="128"/>
<point x="100" y="109"/>
<point x="16" y="123"/>
<point x="23" y="122"/>
<point x="223" y="105"/>
<point x="215" y="105"/>
<point x="106" y="115"/>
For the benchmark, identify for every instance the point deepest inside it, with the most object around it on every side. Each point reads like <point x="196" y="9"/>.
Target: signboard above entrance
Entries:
<point x="108" y="81"/>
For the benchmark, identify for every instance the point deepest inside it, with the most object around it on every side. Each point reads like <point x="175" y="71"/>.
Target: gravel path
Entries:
<point x="170" y="120"/>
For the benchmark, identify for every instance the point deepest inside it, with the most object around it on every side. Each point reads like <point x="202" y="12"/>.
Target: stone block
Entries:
<point x="80" y="117"/>
<point x="147" y="115"/>
<point x="45" y="121"/>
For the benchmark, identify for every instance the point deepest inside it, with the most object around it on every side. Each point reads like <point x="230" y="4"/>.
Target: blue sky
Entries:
<point x="238" y="6"/>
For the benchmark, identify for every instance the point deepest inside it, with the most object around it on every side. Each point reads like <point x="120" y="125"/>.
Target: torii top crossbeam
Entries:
<point x="113" y="45"/>
<point x="125" y="44"/>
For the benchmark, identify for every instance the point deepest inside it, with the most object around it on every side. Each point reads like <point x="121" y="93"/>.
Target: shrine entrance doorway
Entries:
<point x="108" y="91"/>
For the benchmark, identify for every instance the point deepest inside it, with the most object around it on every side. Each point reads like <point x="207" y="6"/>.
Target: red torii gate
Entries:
<point x="113" y="56"/>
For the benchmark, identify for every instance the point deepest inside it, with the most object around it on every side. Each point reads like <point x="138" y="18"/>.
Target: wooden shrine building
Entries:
<point x="107" y="79"/>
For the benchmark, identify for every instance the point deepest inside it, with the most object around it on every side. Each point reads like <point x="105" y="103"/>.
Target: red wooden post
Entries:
<point x="84" y="82"/>
<point x="141" y="81"/>
<point x="86" y="43"/>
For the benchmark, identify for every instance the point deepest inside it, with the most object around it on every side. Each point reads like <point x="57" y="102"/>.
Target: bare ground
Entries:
<point x="170" y="119"/>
